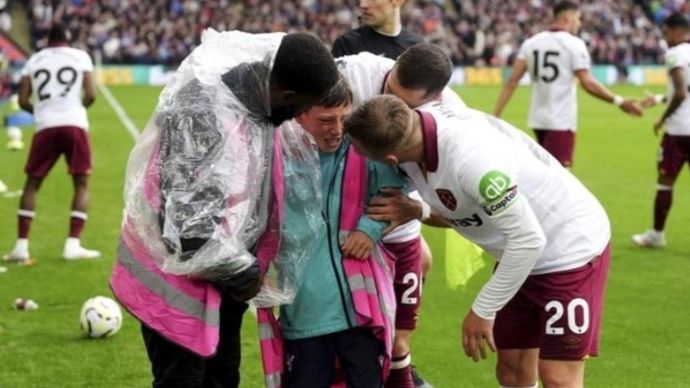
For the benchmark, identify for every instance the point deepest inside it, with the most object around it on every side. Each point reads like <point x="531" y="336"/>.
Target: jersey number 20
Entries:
<point x="65" y="76"/>
<point x="546" y="65"/>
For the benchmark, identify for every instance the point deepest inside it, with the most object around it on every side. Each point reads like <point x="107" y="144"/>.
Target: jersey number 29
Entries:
<point x="65" y="76"/>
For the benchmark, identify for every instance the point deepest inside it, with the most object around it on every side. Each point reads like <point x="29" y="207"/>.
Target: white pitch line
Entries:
<point x="119" y="111"/>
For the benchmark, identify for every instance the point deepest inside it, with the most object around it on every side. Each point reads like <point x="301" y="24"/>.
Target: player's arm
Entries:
<point x="519" y="69"/>
<point x="89" y="89"/>
<point x="25" y="94"/>
<point x="680" y="92"/>
<point x="596" y="89"/>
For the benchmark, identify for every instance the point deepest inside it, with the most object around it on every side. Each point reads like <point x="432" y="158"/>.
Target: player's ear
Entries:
<point x="391" y="160"/>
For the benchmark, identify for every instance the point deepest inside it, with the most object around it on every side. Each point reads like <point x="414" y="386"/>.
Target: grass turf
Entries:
<point x="644" y="339"/>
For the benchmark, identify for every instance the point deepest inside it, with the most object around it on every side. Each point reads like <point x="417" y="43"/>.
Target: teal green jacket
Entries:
<point x="323" y="304"/>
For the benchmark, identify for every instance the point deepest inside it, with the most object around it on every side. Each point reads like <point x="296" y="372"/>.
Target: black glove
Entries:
<point x="244" y="285"/>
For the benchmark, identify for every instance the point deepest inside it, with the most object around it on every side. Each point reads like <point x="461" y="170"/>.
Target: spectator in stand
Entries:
<point x="471" y="32"/>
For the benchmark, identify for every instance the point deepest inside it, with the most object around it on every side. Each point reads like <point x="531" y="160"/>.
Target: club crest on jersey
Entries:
<point x="447" y="199"/>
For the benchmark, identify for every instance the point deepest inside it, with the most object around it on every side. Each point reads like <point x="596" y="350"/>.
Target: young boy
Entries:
<point x="334" y="314"/>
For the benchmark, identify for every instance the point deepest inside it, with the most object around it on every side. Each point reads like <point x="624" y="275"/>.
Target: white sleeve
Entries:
<point x="673" y="59"/>
<point x="26" y="70"/>
<point x="365" y="72"/>
<point x="86" y="63"/>
<point x="581" y="59"/>
<point x="452" y="100"/>
<point x="525" y="240"/>
<point x="489" y="180"/>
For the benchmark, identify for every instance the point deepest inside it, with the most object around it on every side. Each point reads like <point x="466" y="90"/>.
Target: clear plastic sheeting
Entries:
<point x="198" y="179"/>
<point x="301" y="215"/>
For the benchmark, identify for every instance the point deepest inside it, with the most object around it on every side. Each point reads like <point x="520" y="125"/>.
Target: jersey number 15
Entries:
<point x="65" y="76"/>
<point x="546" y="65"/>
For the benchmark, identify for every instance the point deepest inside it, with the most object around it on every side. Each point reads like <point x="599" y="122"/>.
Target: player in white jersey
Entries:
<point x="370" y="75"/>
<point x="56" y="76"/>
<point x="500" y="189"/>
<point x="674" y="151"/>
<point x="554" y="60"/>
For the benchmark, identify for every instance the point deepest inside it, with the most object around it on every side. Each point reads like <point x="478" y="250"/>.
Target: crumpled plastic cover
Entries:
<point x="197" y="185"/>
<point x="300" y="219"/>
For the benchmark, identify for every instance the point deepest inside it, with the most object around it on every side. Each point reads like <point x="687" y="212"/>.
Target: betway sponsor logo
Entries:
<point x="503" y="203"/>
<point x="474" y="220"/>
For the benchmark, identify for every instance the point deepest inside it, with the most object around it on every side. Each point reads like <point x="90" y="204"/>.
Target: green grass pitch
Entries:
<point x="645" y="335"/>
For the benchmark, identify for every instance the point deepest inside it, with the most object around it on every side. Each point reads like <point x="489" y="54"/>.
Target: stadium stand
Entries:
<point x="473" y="32"/>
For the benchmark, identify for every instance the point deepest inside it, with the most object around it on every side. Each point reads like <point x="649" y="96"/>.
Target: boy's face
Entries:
<point x="325" y="125"/>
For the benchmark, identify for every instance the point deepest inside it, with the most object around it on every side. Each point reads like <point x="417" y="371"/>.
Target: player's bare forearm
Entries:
<point x="518" y="71"/>
<point x="27" y="107"/>
<point x="436" y="221"/>
<point x="396" y="207"/>
<point x="24" y="95"/>
<point x="679" y="81"/>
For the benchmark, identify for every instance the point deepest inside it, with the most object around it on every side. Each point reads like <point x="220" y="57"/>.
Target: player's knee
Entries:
<point x="514" y="374"/>
<point x="554" y="376"/>
<point x="427" y="258"/>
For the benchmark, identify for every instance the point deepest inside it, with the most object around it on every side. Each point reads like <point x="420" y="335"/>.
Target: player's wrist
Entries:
<point x="618" y="100"/>
<point x="659" y="98"/>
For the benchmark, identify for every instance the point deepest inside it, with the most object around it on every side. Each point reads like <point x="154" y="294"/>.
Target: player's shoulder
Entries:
<point x="355" y="35"/>
<point x="409" y="38"/>
<point x="364" y="58"/>
<point x="677" y="55"/>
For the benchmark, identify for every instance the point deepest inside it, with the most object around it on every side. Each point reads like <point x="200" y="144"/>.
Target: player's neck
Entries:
<point x="391" y="27"/>
<point x="415" y="151"/>
<point x="559" y="26"/>
<point x="58" y="44"/>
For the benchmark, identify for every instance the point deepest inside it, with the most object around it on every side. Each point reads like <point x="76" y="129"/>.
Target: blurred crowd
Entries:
<point x="473" y="32"/>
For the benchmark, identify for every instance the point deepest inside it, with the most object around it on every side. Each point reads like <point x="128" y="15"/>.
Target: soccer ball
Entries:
<point x="100" y="317"/>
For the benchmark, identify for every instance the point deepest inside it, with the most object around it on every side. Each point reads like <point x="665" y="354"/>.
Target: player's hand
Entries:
<point x="648" y="101"/>
<point x="659" y="125"/>
<point x="631" y="107"/>
<point x="357" y="245"/>
<point x="395" y="207"/>
<point x="477" y="333"/>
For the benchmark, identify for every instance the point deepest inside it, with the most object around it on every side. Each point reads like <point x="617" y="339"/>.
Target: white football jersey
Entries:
<point x="552" y="57"/>
<point x="501" y="190"/>
<point x="679" y="122"/>
<point x="366" y="73"/>
<point x="57" y="74"/>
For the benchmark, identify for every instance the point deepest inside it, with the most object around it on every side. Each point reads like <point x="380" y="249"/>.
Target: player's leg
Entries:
<point x="670" y="163"/>
<point x="78" y="154"/>
<point x="42" y="156"/>
<point x="359" y="353"/>
<point x="407" y="286"/>
<point x="427" y="258"/>
<point x="571" y="306"/>
<point x="223" y="369"/>
<point x="516" y="334"/>
<point x="25" y="216"/>
<point x="562" y="374"/>
<point x="560" y="144"/>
